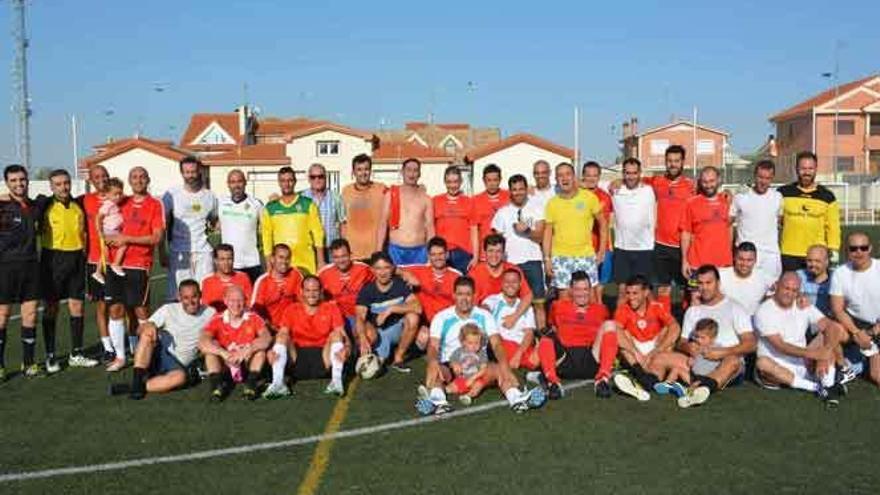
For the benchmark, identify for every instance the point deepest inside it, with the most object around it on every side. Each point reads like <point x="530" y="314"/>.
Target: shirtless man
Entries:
<point x="409" y="228"/>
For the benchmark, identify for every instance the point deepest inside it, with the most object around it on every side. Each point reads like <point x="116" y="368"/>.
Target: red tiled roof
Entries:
<point x="200" y="121"/>
<point x="680" y="122"/>
<point x="328" y="126"/>
<point x="518" y="139"/>
<point x="273" y="126"/>
<point x="820" y="99"/>
<point x="400" y="150"/>
<point x="254" y="154"/>
<point x="115" y="148"/>
<point x="422" y="125"/>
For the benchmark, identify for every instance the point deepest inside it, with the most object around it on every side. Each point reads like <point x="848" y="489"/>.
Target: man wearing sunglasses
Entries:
<point x="330" y="206"/>
<point x="855" y="299"/>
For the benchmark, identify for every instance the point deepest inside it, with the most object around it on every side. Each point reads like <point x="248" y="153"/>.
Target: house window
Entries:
<point x="658" y="147"/>
<point x="449" y="146"/>
<point x="328" y="148"/>
<point x="846" y="127"/>
<point x="705" y="147"/>
<point x="846" y="164"/>
<point x="875" y="124"/>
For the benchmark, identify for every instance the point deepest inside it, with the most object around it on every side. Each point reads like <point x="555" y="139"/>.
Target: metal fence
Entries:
<point x="859" y="203"/>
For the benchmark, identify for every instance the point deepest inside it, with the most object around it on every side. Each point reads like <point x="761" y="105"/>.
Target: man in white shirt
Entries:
<point x="855" y="299"/>
<point x="519" y="340"/>
<point x="784" y="356"/>
<point x="521" y="222"/>
<point x="635" y="217"/>
<point x="742" y="282"/>
<point x="239" y="216"/>
<point x="543" y="190"/>
<point x="735" y="337"/>
<point x="189" y="209"/>
<point x="756" y="213"/>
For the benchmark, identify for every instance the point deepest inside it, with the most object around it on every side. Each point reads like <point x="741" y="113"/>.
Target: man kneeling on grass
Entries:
<point x="168" y="344"/>
<point x="234" y="342"/>
<point x="313" y="335"/>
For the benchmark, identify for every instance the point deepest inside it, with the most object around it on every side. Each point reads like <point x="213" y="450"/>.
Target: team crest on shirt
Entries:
<point x="642" y="324"/>
<point x="196" y="206"/>
<point x="247" y="206"/>
<point x="579" y="205"/>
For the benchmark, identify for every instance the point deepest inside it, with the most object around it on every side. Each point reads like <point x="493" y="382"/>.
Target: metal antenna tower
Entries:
<point x="21" y="107"/>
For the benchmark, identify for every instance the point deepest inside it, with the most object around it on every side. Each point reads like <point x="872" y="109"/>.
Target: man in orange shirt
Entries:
<point x="313" y="334"/>
<point x="434" y="285"/>
<point x="488" y="275"/>
<point x="488" y="202"/>
<point x="232" y="340"/>
<point x="91" y="202"/>
<point x="363" y="203"/>
<point x="214" y="285"/>
<point x="590" y="179"/>
<point x="454" y="221"/>
<point x="276" y="289"/>
<point x="706" y="236"/>
<point x="343" y="278"/>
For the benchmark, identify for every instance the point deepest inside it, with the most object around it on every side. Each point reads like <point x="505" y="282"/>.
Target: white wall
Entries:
<point x="164" y="172"/>
<point x="432" y="175"/>
<point x="517" y="159"/>
<point x="37" y="187"/>
<point x="303" y="152"/>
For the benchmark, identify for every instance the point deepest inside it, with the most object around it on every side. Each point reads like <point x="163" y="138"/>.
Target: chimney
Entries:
<point x="634" y="126"/>
<point x="626" y="130"/>
<point x="242" y="120"/>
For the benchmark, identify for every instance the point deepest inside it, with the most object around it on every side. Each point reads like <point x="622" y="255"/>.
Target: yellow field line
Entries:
<point x="321" y="458"/>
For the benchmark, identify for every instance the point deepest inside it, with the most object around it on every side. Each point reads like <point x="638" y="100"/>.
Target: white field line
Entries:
<point x="245" y="449"/>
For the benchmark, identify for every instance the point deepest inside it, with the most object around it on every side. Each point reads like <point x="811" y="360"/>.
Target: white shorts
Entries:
<point x="645" y="347"/>
<point x="185" y="265"/>
<point x="797" y="366"/>
<point x="770" y="263"/>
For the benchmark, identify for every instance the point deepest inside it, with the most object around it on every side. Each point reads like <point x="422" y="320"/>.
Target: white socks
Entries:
<point x="870" y="351"/>
<point x="804" y="384"/>
<point x="336" y="363"/>
<point x="279" y="364"/>
<point x="513" y="395"/>
<point x="107" y="343"/>
<point x="828" y="377"/>
<point x="116" y="329"/>
<point x="132" y="343"/>
<point x="437" y="395"/>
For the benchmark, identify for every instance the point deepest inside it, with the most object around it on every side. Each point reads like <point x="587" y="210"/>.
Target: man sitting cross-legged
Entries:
<point x="312" y="333"/>
<point x="645" y="330"/>
<point x="168" y="344"/>
<point x="584" y="342"/>
<point x="232" y="340"/>
<point x="518" y="340"/>
<point x="784" y="356"/>
<point x="445" y="340"/>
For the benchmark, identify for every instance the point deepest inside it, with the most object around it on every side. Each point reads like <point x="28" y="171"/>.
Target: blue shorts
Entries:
<point x="415" y="255"/>
<point x="164" y="361"/>
<point x="606" y="268"/>
<point x="534" y="272"/>
<point x="388" y="337"/>
<point x="459" y="259"/>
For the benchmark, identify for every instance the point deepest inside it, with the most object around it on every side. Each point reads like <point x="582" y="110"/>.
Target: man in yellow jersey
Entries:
<point x="810" y="215"/>
<point x="293" y="219"/>
<point x="568" y="243"/>
<point x="62" y="267"/>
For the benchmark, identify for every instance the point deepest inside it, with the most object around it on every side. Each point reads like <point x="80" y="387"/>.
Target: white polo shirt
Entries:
<point x="731" y="318"/>
<point x="239" y="226"/>
<point x="860" y="290"/>
<point x="519" y="247"/>
<point x="500" y="309"/>
<point x="757" y="218"/>
<point x="635" y="216"/>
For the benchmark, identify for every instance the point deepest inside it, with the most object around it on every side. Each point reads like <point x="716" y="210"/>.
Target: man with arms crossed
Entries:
<point x="407" y="218"/>
<point x="756" y="215"/>
<point x="635" y="218"/>
<point x="454" y="221"/>
<point x="189" y="209"/>
<point x="239" y="216"/>
<point x="363" y="200"/>
<point x="293" y="219"/>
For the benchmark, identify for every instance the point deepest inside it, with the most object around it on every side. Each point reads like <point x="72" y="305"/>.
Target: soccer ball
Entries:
<point x="368" y="366"/>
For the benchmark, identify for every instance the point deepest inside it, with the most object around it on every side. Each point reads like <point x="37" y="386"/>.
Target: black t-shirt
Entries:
<point x="377" y="301"/>
<point x="18" y="231"/>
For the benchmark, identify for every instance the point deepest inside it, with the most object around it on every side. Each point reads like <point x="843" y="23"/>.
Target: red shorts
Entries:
<point x="460" y="384"/>
<point x="510" y="347"/>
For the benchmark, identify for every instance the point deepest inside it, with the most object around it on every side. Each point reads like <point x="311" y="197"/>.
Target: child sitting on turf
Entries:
<point x="682" y="368"/>
<point x="109" y="222"/>
<point x="469" y="364"/>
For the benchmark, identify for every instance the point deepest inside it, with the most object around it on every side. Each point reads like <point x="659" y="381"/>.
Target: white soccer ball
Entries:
<point x="368" y="366"/>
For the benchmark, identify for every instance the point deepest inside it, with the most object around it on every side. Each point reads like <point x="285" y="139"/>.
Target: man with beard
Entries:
<point x="363" y="201"/>
<point x="407" y="219"/>
<point x="488" y="202"/>
<point x="756" y="215"/>
<point x="635" y="217"/>
<point x="810" y="215"/>
<point x="705" y="226"/>
<point x="293" y="220"/>
<point x="239" y="216"/>
<point x="454" y="221"/>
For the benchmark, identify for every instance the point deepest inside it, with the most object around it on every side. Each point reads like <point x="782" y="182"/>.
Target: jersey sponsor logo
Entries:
<point x="642" y="324"/>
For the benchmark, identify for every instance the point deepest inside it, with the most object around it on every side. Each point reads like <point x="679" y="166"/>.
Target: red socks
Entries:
<point x="607" y="354"/>
<point x="547" y="355"/>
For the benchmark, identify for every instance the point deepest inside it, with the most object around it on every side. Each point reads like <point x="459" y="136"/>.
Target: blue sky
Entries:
<point x="360" y="63"/>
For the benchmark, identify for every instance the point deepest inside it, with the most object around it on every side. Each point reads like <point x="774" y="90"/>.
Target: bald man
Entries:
<point x="239" y="216"/>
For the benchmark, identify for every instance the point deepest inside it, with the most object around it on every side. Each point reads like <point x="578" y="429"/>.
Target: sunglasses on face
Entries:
<point x="863" y="248"/>
<point x="315" y="177"/>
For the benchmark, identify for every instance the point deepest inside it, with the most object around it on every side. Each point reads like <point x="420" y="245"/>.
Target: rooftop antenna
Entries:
<point x="21" y="99"/>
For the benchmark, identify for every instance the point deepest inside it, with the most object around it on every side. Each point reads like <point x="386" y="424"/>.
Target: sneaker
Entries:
<point x="80" y="361"/>
<point x="108" y="357"/>
<point x="534" y="377"/>
<point x="465" y="400"/>
<point x="31" y="371"/>
<point x="603" y="389"/>
<point x="249" y="393"/>
<point x="555" y="391"/>
<point x="118" y="271"/>
<point x="98" y="277"/>
<point x="845" y="375"/>
<point x="425" y="407"/>
<point x="670" y="388"/>
<point x="442" y="408"/>
<point x="217" y="395"/>
<point x="400" y="368"/>
<point x="423" y="393"/>
<point x="694" y="397"/>
<point x="137" y="394"/>
<point x="276" y="391"/>
<point x="116" y="365"/>
<point x="334" y="389"/>
<point x="52" y="366"/>
<point x="629" y="387"/>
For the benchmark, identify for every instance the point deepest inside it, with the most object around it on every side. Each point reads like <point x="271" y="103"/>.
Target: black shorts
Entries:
<point x="19" y="281"/>
<point x="132" y="290"/>
<point x="793" y="263"/>
<point x="62" y="275"/>
<point x="667" y="265"/>
<point x="534" y="272"/>
<point x="309" y="364"/>
<point x="630" y="263"/>
<point x="253" y="272"/>
<point x="575" y="362"/>
<point x="94" y="289"/>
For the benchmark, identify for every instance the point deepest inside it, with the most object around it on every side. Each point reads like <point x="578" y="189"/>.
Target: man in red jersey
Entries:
<point x="706" y="235"/>
<point x="91" y="202"/>
<point x="488" y="202"/>
<point x="142" y="228"/>
<point x="488" y="275"/>
<point x="645" y="329"/>
<point x="233" y="340"/>
<point x="433" y="284"/>
<point x="454" y="221"/>
<point x="590" y="180"/>
<point x="342" y="279"/>
<point x="277" y="289"/>
<point x="215" y="284"/>
<point x="672" y="190"/>
<point x="584" y="343"/>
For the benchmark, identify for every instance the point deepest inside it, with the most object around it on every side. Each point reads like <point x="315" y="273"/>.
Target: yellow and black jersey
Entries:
<point x="63" y="226"/>
<point x="808" y="217"/>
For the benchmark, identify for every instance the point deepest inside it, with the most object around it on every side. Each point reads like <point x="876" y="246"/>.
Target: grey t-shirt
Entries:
<point x="184" y="329"/>
<point x="703" y="366"/>
<point x="470" y="362"/>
